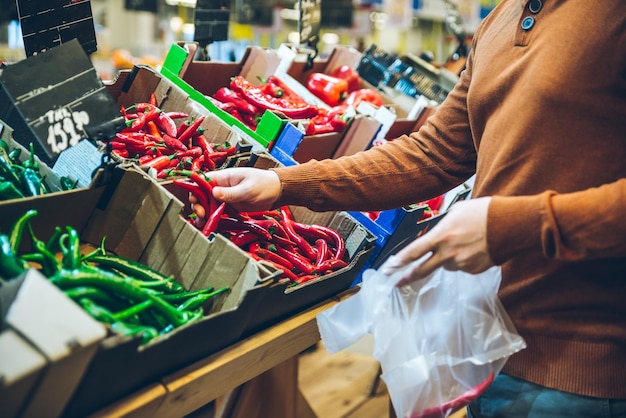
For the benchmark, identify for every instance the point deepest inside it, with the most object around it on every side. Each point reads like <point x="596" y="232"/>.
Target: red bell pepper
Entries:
<point x="349" y="74"/>
<point x="364" y="95"/>
<point x="331" y="90"/>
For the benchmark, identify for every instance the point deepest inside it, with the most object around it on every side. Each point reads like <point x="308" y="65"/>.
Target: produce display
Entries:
<point x="340" y="90"/>
<point x="303" y="252"/>
<point x="20" y="179"/>
<point x="154" y="139"/>
<point x="131" y="298"/>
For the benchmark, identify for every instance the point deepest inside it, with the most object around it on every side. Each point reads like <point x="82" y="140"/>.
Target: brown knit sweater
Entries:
<point x="540" y="117"/>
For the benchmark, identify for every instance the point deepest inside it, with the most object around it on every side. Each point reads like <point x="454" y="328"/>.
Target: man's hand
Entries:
<point x="457" y="242"/>
<point x="246" y="189"/>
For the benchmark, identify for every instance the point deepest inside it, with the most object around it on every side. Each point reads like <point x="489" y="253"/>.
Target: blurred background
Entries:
<point x="141" y="31"/>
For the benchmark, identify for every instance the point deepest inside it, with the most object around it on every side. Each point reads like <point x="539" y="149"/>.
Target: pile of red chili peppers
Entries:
<point x="154" y="139"/>
<point x="303" y="252"/>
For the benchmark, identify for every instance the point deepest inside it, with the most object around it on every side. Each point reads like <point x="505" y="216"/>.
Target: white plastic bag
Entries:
<point x="440" y="341"/>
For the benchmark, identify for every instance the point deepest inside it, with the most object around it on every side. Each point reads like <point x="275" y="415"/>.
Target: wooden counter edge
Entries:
<point x="194" y="386"/>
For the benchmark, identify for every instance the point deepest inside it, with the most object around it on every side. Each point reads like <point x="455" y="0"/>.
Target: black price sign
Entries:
<point x="46" y="24"/>
<point x="210" y="20"/>
<point x="309" y="23"/>
<point x="55" y="99"/>
<point x="141" y="5"/>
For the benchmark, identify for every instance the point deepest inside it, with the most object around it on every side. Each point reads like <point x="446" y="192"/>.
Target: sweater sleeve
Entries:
<point x="588" y="224"/>
<point x="407" y="170"/>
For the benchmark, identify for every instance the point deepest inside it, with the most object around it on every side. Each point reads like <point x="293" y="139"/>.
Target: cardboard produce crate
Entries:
<point x="280" y="300"/>
<point x="201" y="78"/>
<point x="47" y="345"/>
<point x="143" y="221"/>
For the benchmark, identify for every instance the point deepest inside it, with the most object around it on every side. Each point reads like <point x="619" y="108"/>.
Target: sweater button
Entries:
<point x="528" y="23"/>
<point x="534" y="6"/>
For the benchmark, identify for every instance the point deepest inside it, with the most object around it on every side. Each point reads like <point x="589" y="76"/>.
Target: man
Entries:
<point x="539" y="116"/>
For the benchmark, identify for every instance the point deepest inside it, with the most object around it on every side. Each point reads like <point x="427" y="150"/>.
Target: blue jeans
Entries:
<point x="510" y="397"/>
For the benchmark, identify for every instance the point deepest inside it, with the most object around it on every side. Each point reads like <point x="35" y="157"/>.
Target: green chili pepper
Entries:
<point x="67" y="183"/>
<point x="8" y="191"/>
<point x="198" y="301"/>
<point x="6" y="169"/>
<point x="14" y="155"/>
<point x="180" y="297"/>
<point x="132" y="310"/>
<point x="111" y="282"/>
<point x="31" y="182"/>
<point x="96" y="295"/>
<point x="104" y="315"/>
<point x="132" y="268"/>
<point x="4" y="145"/>
<point x="11" y="265"/>
<point x="71" y="253"/>
<point x="17" y="229"/>
<point x="31" y="162"/>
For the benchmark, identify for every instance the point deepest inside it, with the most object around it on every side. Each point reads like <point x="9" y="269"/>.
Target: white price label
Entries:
<point x="65" y="128"/>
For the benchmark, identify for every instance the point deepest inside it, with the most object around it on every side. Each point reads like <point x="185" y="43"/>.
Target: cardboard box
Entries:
<point x="281" y="300"/>
<point x="201" y="78"/>
<point x="138" y="84"/>
<point x="56" y="99"/>
<point x="302" y="148"/>
<point x="19" y="376"/>
<point x="142" y="221"/>
<point x="405" y="109"/>
<point x="62" y="332"/>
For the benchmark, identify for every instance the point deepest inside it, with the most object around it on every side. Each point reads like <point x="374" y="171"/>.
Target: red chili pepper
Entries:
<point x="117" y="145"/>
<point x="211" y="224"/>
<point x="331" y="90"/>
<point x="153" y="129"/>
<point x="256" y="96"/>
<point x="349" y="74"/>
<point x="306" y="278"/>
<point x="330" y="264"/>
<point x="226" y="95"/>
<point x="174" y="143"/>
<point x="340" y="244"/>
<point x="299" y="262"/>
<point x="322" y="252"/>
<point x="232" y="224"/>
<point x="152" y="100"/>
<point x="191" y="130"/>
<point x="177" y="115"/>
<point x="364" y="95"/>
<point x="243" y="238"/>
<point x="195" y="190"/>
<point x="166" y="123"/>
<point x="122" y="153"/>
<point x="159" y="163"/>
<point x="302" y="243"/>
<point x="130" y="140"/>
<point x="272" y="256"/>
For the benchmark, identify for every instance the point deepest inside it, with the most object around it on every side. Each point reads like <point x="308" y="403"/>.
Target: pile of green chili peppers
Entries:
<point x="131" y="298"/>
<point x="20" y="179"/>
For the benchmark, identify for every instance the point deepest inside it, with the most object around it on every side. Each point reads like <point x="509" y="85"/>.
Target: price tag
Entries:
<point x="46" y="24"/>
